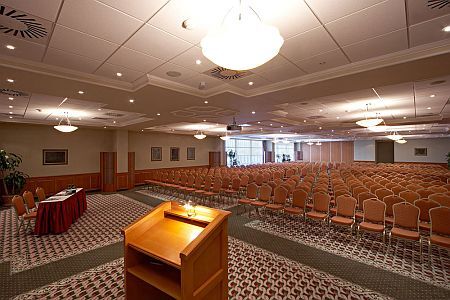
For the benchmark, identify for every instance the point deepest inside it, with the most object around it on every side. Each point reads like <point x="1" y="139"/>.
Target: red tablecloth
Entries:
<point x="57" y="216"/>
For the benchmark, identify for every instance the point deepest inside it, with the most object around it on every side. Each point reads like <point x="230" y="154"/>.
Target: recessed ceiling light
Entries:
<point x="404" y="117"/>
<point x="432" y="95"/>
<point x="250" y="83"/>
<point x="320" y="127"/>
<point x="10" y="106"/>
<point x="281" y="130"/>
<point x="131" y="100"/>
<point x="338" y="118"/>
<point x="10" y="80"/>
<point x="428" y="107"/>
<point x="304" y="121"/>
<point x="281" y="126"/>
<point x="142" y="129"/>
<point x="198" y="62"/>
<point x="99" y="109"/>
<point x="119" y="74"/>
<point x="204" y="120"/>
<point x="10" y="117"/>
<point x="271" y="124"/>
<point x="332" y="130"/>
<point x="189" y="24"/>
<point x="11" y="98"/>
<point x="206" y="102"/>
<point x="173" y="74"/>
<point x="446" y="28"/>
<point x="10" y="112"/>
<point x="114" y="122"/>
<point x="104" y="126"/>
<point x="321" y="110"/>
<point x="253" y="112"/>
<point x="80" y="92"/>
<point x="259" y="122"/>
<point x="158" y="114"/>
<point x="10" y="47"/>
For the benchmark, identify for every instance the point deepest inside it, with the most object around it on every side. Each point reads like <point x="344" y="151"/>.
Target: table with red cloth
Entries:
<point x="57" y="213"/>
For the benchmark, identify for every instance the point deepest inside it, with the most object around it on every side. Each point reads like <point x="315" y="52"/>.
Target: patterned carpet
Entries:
<point x="402" y="257"/>
<point x="165" y="197"/>
<point x="253" y="274"/>
<point x="94" y="229"/>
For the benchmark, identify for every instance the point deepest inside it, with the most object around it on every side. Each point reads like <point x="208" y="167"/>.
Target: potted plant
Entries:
<point x="13" y="181"/>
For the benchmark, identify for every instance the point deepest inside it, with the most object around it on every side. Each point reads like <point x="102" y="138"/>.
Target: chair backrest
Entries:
<point x="375" y="187"/>
<point x="208" y="182"/>
<point x="413" y="187"/>
<point x="383" y="192"/>
<point x="442" y="199"/>
<point x="280" y="195"/>
<point x="406" y="215"/>
<point x="252" y="191"/>
<point x="191" y="180"/>
<point x="346" y="206"/>
<point x="437" y="189"/>
<point x="19" y="206"/>
<point x="265" y="192"/>
<point x="440" y="220"/>
<point x="244" y="180"/>
<point x="363" y="197"/>
<point x="236" y="183"/>
<point x="374" y="211"/>
<point x="390" y="201"/>
<point x="409" y="196"/>
<point x="397" y="189"/>
<point x="226" y="182"/>
<point x="184" y="179"/>
<point x="29" y="199"/>
<point x="217" y="185"/>
<point x="299" y="198"/>
<point x="40" y="193"/>
<point x="424" y="193"/>
<point x="198" y="182"/>
<point x="321" y="202"/>
<point x="259" y="179"/>
<point x="425" y="205"/>
<point x="358" y="190"/>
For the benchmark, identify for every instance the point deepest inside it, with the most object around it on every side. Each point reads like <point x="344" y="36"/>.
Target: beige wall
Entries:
<point x="141" y="143"/>
<point x="84" y="147"/>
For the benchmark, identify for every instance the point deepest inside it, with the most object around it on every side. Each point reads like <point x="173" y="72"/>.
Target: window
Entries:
<point x="286" y="149"/>
<point x="247" y="152"/>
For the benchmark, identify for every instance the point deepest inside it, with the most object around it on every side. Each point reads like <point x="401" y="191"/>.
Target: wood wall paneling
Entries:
<point x="315" y="153"/>
<point x="122" y="181"/>
<point x="336" y="151"/>
<point x="347" y="152"/>
<point x="306" y="152"/>
<point x="55" y="184"/>
<point x="131" y="169"/>
<point x="325" y="152"/>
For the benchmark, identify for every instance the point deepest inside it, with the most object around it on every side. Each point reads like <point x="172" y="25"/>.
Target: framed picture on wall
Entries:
<point x="190" y="153"/>
<point x="55" y="156"/>
<point x="156" y="154"/>
<point x="174" y="154"/>
<point x="420" y="151"/>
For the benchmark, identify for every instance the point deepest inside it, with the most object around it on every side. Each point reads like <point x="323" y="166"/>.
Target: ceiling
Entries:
<point x="336" y="58"/>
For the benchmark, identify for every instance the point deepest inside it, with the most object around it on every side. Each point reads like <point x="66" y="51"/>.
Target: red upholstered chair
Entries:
<point x="299" y="198"/>
<point x="442" y="199"/>
<point x="390" y="201"/>
<point x="265" y="193"/>
<point x="373" y="218"/>
<point x="251" y="194"/>
<point x="21" y="213"/>
<point x="397" y="189"/>
<point x="409" y="196"/>
<point x="424" y="217"/>
<point x="345" y="213"/>
<point x="29" y="200"/>
<point x="406" y="223"/>
<point x="440" y="228"/>
<point x="424" y="193"/>
<point x="383" y="192"/>
<point x="321" y="207"/>
<point x="279" y="199"/>
<point x="40" y="193"/>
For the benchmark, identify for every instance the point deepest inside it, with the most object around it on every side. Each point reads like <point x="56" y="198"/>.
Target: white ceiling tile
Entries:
<point x="70" y="60"/>
<point x="140" y="9"/>
<point x="47" y="9"/>
<point x="419" y="11"/>
<point x="257" y="80"/>
<point x="197" y="79"/>
<point x="98" y="20"/>
<point x="291" y="17"/>
<point x="378" y="46"/>
<point x="328" y="11"/>
<point x="134" y="60"/>
<point x="277" y="61"/>
<point x="430" y="31"/>
<point x="162" y="70"/>
<point x="24" y="49"/>
<point x="110" y="71"/>
<point x="77" y="42"/>
<point x="328" y="60"/>
<point x="284" y="72"/>
<point x="206" y="13"/>
<point x="155" y="42"/>
<point x="308" y="44"/>
<point x="379" y="19"/>
<point x="188" y="59"/>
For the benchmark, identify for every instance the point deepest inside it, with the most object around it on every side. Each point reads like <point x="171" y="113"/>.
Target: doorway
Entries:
<point x="384" y="151"/>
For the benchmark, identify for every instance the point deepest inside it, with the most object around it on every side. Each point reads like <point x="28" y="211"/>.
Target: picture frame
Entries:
<point x="420" y="151"/>
<point x="55" y="156"/>
<point x="156" y="154"/>
<point x="174" y="154"/>
<point x="190" y="153"/>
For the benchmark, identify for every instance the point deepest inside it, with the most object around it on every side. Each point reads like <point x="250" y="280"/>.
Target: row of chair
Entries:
<point x="26" y="208"/>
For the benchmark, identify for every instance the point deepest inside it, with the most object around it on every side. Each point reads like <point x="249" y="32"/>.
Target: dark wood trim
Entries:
<point x="55" y="184"/>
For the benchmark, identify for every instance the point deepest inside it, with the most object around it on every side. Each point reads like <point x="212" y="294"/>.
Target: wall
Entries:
<point x="141" y="143"/>
<point x="328" y="151"/>
<point x="84" y="147"/>
<point x="364" y="150"/>
<point x="437" y="148"/>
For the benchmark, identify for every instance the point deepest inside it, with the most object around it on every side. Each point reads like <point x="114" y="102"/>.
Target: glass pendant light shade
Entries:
<point x="369" y="122"/>
<point x="318" y="144"/>
<point x="401" y="141"/>
<point x="67" y="127"/>
<point x="241" y="41"/>
<point x="310" y="143"/>
<point x="225" y="138"/>
<point x="395" y="136"/>
<point x="199" y="136"/>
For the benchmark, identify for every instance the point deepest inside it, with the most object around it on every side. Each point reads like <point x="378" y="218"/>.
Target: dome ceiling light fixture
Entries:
<point x="225" y="137"/>
<point x="199" y="135"/>
<point x="241" y="41"/>
<point x="318" y="144"/>
<point x="309" y="143"/>
<point x="369" y="122"/>
<point x="402" y="141"/>
<point x="65" y="127"/>
<point x="394" y="136"/>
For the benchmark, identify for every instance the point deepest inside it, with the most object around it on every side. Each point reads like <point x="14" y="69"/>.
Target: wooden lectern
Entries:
<point x="169" y="255"/>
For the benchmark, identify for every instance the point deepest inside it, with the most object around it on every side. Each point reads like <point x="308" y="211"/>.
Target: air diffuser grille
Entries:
<point x="226" y="74"/>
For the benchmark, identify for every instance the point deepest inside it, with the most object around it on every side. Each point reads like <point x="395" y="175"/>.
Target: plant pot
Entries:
<point x="7" y="200"/>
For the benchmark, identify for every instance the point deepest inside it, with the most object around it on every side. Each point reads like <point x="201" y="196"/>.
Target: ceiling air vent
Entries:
<point x="116" y="115"/>
<point x="13" y="93"/>
<point x="20" y="24"/>
<point x="316" y="117"/>
<point x="438" y="3"/>
<point x="437" y="82"/>
<point x="100" y="118"/>
<point x="226" y="74"/>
